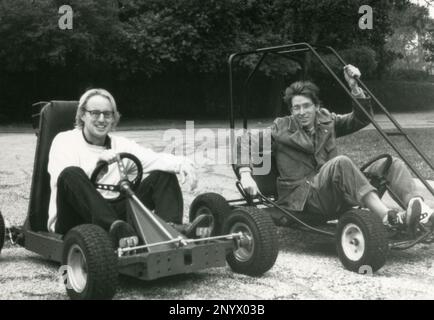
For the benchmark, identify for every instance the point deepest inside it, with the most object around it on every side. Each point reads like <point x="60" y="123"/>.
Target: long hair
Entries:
<point x="82" y="104"/>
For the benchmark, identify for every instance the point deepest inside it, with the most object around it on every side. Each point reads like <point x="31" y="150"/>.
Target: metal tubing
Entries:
<point x="389" y="115"/>
<point x="182" y="241"/>
<point x="246" y="85"/>
<point x="397" y="125"/>
<point x="151" y="216"/>
<point x="291" y="216"/>
<point x="404" y="245"/>
<point x="310" y="48"/>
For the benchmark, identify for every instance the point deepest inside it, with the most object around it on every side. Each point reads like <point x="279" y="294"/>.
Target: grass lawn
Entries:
<point x="364" y="145"/>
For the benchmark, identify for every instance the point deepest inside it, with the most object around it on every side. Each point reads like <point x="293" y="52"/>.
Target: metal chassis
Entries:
<point x="165" y="251"/>
<point x="286" y="51"/>
<point x="162" y="262"/>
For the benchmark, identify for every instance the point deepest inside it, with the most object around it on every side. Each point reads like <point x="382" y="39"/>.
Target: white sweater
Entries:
<point x="69" y="148"/>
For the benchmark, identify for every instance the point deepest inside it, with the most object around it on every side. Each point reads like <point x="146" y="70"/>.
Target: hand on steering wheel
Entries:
<point x="134" y="181"/>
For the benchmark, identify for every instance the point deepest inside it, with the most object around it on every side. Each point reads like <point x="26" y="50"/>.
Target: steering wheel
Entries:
<point x="136" y="170"/>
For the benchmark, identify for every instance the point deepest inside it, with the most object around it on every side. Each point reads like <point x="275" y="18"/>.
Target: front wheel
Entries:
<point x="211" y="204"/>
<point x="2" y="232"/>
<point x="361" y="241"/>
<point x="257" y="251"/>
<point x="91" y="263"/>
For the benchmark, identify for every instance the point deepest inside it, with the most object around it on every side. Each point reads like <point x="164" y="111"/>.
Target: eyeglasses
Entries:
<point x="95" y="114"/>
<point x="298" y="107"/>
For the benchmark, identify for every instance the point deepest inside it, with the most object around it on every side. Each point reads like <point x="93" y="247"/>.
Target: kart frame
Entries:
<point x="280" y="215"/>
<point x="164" y="252"/>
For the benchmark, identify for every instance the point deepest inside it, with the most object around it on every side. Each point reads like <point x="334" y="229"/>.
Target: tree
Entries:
<point x="411" y="36"/>
<point x="31" y="38"/>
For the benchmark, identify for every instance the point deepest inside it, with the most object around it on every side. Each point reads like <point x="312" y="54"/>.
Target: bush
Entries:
<point x="362" y="57"/>
<point x="408" y="75"/>
<point x="405" y="96"/>
<point x="396" y="96"/>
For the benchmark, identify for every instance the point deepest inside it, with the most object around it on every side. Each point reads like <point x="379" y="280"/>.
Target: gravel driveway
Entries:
<point x="307" y="266"/>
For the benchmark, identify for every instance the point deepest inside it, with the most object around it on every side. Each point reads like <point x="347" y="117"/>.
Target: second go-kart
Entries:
<point x="246" y="240"/>
<point x="362" y="241"/>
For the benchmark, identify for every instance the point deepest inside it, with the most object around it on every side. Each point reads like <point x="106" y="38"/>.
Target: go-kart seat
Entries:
<point x="267" y="183"/>
<point x="55" y="116"/>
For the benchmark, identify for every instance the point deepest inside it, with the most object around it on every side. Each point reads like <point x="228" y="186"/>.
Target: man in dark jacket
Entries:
<point x="313" y="178"/>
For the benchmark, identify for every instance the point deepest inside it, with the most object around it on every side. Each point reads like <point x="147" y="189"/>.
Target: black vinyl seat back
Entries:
<point x="55" y="116"/>
<point x="267" y="184"/>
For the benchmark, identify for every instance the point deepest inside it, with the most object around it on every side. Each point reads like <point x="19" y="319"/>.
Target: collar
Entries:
<point x="323" y="116"/>
<point x="107" y="142"/>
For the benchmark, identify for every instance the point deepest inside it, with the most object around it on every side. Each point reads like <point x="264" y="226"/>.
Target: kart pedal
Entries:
<point x="128" y="242"/>
<point x="201" y="226"/>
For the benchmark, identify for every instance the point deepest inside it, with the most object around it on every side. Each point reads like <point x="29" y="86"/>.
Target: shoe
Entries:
<point x="202" y="227"/>
<point x="405" y="220"/>
<point x="123" y="234"/>
<point x="426" y="212"/>
<point x="426" y="218"/>
<point x="413" y="215"/>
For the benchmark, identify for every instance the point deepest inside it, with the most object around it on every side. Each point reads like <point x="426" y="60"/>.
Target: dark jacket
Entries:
<point x="298" y="158"/>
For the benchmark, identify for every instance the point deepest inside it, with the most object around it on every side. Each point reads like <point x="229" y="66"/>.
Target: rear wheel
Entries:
<point x="211" y="204"/>
<point x="362" y="243"/>
<point x="257" y="251"/>
<point x="2" y="232"/>
<point x="91" y="263"/>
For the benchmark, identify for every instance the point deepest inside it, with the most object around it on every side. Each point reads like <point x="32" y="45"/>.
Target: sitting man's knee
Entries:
<point x="397" y="161"/>
<point x="163" y="175"/>
<point x="71" y="171"/>
<point x="343" y="160"/>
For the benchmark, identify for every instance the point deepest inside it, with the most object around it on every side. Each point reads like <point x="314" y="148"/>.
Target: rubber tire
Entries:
<point x="264" y="232"/>
<point x="102" y="276"/>
<point x="376" y="242"/>
<point x="2" y="232"/>
<point x="216" y="204"/>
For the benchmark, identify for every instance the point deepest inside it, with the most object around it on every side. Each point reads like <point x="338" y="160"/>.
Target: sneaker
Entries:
<point x="408" y="219"/>
<point x="413" y="214"/>
<point x="123" y="234"/>
<point x="426" y="212"/>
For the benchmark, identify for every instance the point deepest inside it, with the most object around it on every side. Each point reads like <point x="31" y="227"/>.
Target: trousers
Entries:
<point x="340" y="184"/>
<point x="78" y="201"/>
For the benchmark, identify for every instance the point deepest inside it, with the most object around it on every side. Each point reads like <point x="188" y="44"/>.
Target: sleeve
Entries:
<point x="152" y="161"/>
<point x="252" y="146"/>
<point x="351" y="122"/>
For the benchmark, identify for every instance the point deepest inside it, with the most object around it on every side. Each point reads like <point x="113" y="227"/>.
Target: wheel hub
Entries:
<point x="246" y="244"/>
<point x="77" y="269"/>
<point x="353" y="242"/>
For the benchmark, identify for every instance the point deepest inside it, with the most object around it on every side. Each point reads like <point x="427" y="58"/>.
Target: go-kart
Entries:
<point x="362" y="240"/>
<point x="91" y="263"/>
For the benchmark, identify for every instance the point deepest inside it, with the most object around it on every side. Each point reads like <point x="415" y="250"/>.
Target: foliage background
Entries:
<point x="168" y="58"/>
